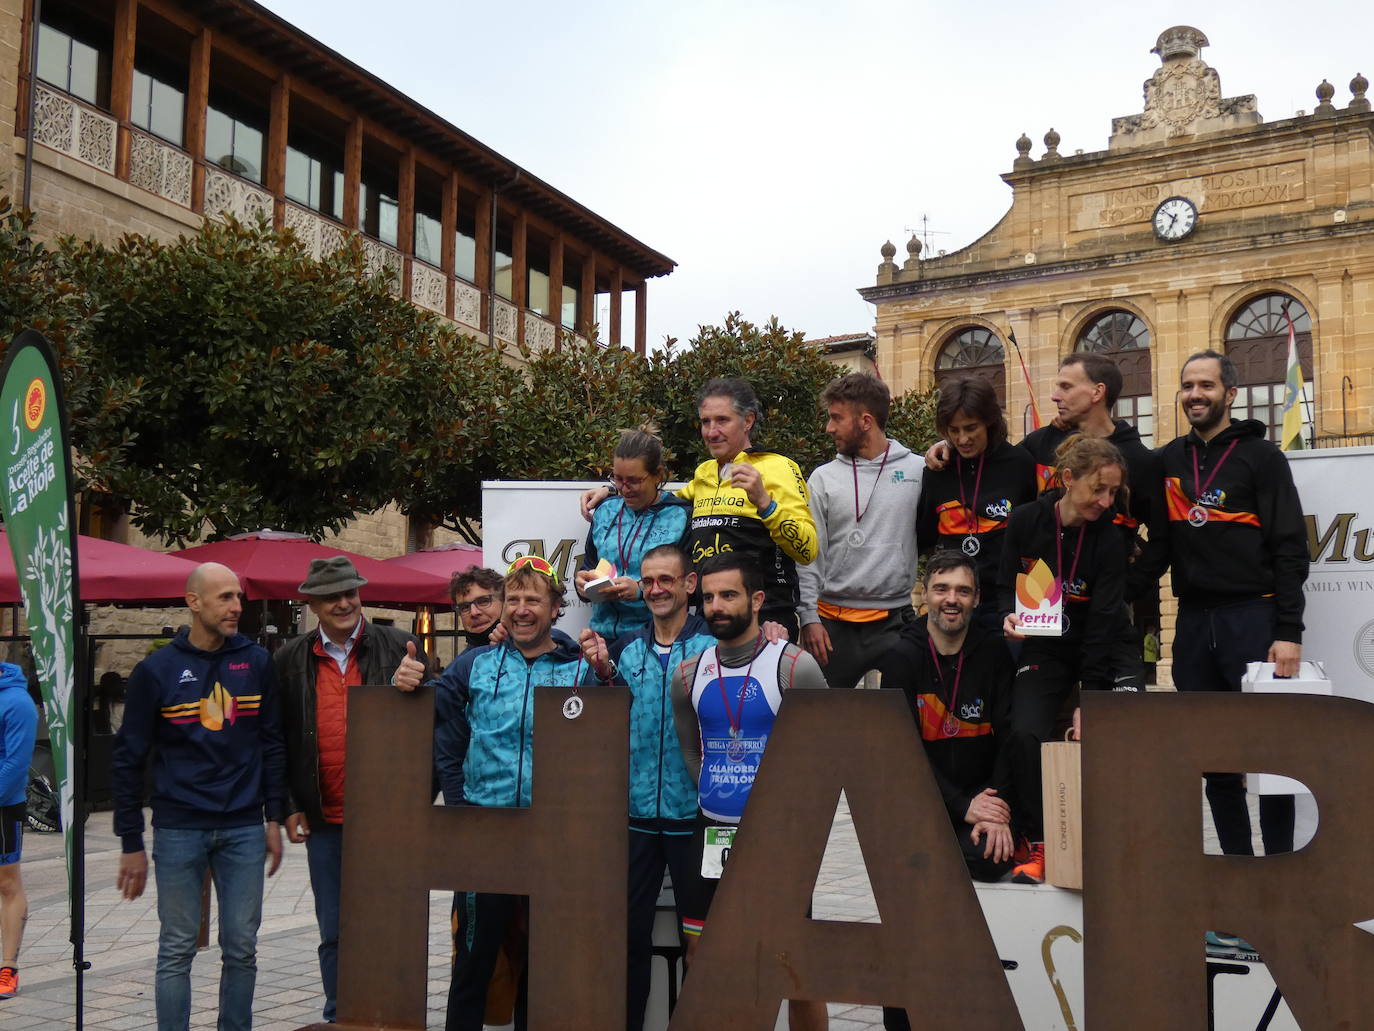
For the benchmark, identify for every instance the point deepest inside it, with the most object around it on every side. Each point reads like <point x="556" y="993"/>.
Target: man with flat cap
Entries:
<point x="314" y="673"/>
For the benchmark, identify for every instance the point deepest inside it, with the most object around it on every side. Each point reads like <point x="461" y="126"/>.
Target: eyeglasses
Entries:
<point x="628" y="482"/>
<point x="480" y="602"/>
<point x="539" y="565"/>
<point x="663" y="583"/>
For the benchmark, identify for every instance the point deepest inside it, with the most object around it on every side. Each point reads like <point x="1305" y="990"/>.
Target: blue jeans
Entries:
<point x="234" y="856"/>
<point x="324" y="852"/>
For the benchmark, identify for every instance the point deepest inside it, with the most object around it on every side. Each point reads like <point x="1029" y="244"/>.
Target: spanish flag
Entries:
<point x="1291" y="436"/>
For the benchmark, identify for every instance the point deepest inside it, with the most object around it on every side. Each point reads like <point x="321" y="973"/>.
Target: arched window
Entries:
<point x="974" y="351"/>
<point x="1121" y="336"/>
<point x="1257" y="342"/>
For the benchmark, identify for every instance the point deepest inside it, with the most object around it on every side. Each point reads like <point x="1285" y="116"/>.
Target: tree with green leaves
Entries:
<point x="231" y="380"/>
<point x="786" y="373"/>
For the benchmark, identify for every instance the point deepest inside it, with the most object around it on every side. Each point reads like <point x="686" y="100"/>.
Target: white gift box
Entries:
<point x="1259" y="679"/>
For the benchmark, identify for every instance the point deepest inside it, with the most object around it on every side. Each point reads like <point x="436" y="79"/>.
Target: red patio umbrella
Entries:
<point x="111" y="573"/>
<point x="271" y="565"/>
<point x="444" y="561"/>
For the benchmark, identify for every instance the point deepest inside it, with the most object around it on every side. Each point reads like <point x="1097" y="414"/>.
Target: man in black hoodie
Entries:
<point x="957" y="679"/>
<point x="1237" y="543"/>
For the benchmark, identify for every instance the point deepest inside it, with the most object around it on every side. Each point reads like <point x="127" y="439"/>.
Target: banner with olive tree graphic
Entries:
<point x="36" y="501"/>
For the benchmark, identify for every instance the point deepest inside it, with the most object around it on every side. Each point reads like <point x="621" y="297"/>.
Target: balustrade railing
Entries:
<point x="505" y="321"/>
<point x="321" y="236"/>
<point x="384" y="260"/>
<point x="227" y="194"/>
<point x="467" y="304"/>
<point x="67" y="125"/>
<point x="160" y="168"/>
<point x="428" y="286"/>
<point x="539" y="333"/>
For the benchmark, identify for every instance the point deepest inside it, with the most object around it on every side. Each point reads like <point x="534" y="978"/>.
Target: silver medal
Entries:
<point x="856" y="538"/>
<point x="950" y="726"/>
<point x="1197" y="516"/>
<point x="572" y="707"/>
<point x="735" y="750"/>
<point x="971" y="546"/>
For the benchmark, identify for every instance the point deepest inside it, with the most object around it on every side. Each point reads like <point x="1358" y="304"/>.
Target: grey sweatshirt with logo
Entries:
<point x="867" y="563"/>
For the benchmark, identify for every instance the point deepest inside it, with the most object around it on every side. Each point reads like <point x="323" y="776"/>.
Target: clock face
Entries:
<point x="1175" y="218"/>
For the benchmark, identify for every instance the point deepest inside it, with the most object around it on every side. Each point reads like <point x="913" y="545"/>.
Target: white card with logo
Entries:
<point x="716" y="851"/>
<point x="1040" y="602"/>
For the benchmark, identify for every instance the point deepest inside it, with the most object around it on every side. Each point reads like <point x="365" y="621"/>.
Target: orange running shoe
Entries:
<point x="1032" y="871"/>
<point x="9" y="982"/>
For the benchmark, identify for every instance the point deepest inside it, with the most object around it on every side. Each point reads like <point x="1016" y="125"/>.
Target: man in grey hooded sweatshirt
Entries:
<point x="856" y="596"/>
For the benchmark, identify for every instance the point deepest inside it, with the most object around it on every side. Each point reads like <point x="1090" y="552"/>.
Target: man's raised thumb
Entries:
<point x="410" y="649"/>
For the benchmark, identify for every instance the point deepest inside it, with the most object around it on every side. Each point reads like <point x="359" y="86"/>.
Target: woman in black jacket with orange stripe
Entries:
<point x="1064" y="530"/>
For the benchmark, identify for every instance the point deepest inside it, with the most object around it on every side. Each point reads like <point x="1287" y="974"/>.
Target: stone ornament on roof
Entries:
<point x="1183" y="97"/>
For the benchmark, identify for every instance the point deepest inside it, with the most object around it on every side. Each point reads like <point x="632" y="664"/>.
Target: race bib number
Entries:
<point x="716" y="851"/>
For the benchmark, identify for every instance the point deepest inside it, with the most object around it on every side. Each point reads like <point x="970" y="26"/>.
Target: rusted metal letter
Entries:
<point x="1150" y="894"/>
<point x="932" y="953"/>
<point x="568" y="852"/>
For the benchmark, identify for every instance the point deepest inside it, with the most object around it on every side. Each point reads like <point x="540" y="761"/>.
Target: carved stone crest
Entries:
<point x="1183" y="97"/>
<point x="1181" y="93"/>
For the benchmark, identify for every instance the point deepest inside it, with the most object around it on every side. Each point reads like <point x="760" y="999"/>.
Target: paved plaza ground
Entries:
<point x="121" y="942"/>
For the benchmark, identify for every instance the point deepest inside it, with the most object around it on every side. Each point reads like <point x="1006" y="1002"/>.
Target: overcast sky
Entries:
<point x="771" y="147"/>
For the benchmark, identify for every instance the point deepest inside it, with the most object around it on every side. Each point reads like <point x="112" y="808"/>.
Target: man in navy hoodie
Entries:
<point x="206" y="705"/>
<point x="18" y="727"/>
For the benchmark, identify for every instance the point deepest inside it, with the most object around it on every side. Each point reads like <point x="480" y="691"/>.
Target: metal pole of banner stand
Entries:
<point x="81" y="705"/>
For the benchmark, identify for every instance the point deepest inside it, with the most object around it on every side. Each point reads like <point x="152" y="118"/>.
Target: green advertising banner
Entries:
<point x="36" y="501"/>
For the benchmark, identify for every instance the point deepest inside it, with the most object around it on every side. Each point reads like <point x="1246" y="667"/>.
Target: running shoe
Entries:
<point x="9" y="982"/>
<point x="1032" y="871"/>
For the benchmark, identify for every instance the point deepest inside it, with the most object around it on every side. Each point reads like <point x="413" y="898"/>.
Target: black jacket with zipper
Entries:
<point x="380" y="650"/>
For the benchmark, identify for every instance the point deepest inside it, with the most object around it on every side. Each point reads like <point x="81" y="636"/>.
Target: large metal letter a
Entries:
<point x="932" y="953"/>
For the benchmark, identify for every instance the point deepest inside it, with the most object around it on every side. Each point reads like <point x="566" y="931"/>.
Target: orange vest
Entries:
<point x="331" y="725"/>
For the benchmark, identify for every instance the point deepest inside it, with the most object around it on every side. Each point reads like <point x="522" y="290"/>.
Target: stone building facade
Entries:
<point x="153" y="115"/>
<point x="1199" y="226"/>
<point x="1282" y="219"/>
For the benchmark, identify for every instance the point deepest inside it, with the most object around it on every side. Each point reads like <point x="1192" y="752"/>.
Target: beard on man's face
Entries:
<point x="726" y="626"/>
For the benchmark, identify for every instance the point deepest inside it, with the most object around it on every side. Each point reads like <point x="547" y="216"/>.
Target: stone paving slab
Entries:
<point x="121" y="941"/>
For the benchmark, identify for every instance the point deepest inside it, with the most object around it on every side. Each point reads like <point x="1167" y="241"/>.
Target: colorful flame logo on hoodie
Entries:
<point x="1037" y="586"/>
<point x="218" y="708"/>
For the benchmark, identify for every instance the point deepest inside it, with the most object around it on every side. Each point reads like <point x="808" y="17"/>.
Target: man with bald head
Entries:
<point x="206" y="707"/>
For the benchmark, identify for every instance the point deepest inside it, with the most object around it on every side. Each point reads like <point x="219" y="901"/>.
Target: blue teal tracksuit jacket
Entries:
<point x="624" y="536"/>
<point x="484" y="719"/>
<point x="660" y="786"/>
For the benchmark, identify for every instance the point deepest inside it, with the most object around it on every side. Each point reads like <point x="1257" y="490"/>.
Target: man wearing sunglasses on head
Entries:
<point x="663" y="797"/>
<point x="483" y="753"/>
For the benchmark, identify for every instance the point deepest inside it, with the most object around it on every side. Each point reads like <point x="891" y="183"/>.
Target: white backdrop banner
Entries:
<point x="538" y="517"/>
<point x="1337" y="490"/>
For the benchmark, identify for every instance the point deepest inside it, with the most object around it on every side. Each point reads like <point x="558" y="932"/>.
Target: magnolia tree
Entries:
<point x="230" y="380"/>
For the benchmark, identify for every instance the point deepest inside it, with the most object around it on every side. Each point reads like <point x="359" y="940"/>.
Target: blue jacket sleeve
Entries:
<point x="130" y="754"/>
<point x="451" y="728"/>
<point x="273" y="747"/>
<point x="21" y="724"/>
